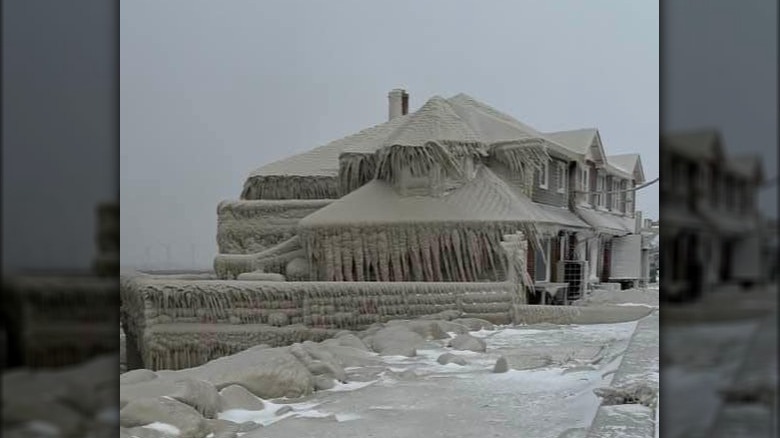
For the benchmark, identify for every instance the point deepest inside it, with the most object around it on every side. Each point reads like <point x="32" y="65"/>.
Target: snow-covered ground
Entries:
<point x="547" y="392"/>
<point x="551" y="393"/>
<point x="705" y="348"/>
<point x="698" y="361"/>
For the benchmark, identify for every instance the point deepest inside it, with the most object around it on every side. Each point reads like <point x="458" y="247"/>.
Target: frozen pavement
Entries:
<point x="551" y="395"/>
<point x="637" y="378"/>
<point x="548" y="390"/>
<point x="710" y="347"/>
<point x="751" y="400"/>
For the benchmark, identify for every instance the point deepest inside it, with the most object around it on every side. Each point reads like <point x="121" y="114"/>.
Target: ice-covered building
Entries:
<point x="711" y="233"/>
<point x="427" y="195"/>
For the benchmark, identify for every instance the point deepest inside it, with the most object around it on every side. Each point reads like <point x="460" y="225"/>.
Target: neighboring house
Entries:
<point x="427" y="196"/>
<point x="711" y="221"/>
<point x="64" y="318"/>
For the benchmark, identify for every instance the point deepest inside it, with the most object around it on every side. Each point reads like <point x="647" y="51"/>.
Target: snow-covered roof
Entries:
<point x="586" y="142"/>
<point x="578" y="140"/>
<point x="460" y="118"/>
<point x="746" y="166"/>
<point x="484" y="199"/>
<point x="436" y="121"/>
<point x="630" y="164"/>
<point x="702" y="144"/>
<point x="607" y="222"/>
<point x="324" y="160"/>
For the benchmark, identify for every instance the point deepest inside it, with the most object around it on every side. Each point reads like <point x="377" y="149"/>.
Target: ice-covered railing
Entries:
<point x="246" y="227"/>
<point x="272" y="260"/>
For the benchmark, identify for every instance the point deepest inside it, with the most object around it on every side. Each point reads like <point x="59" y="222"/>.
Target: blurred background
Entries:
<point x="60" y="224"/>
<point x="718" y="242"/>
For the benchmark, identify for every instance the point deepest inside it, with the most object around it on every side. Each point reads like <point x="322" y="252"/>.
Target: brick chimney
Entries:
<point x="396" y="100"/>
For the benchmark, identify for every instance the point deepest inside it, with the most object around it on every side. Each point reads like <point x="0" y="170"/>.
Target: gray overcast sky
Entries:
<point x="59" y="130"/>
<point x="212" y="90"/>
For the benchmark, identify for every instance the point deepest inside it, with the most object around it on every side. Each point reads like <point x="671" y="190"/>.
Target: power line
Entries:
<point x="619" y="191"/>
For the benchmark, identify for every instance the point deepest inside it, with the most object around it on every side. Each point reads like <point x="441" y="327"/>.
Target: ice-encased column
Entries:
<point x="516" y="248"/>
<point x="593" y="246"/>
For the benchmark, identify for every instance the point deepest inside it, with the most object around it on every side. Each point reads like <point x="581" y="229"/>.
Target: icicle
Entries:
<point x="458" y="255"/>
<point x="357" y="248"/>
<point x="396" y="255"/>
<point x="435" y="254"/>
<point x="384" y="255"/>
<point x="335" y="242"/>
<point x="403" y="243"/>
<point x="414" y="253"/>
<point x="374" y="254"/>
<point x="425" y="249"/>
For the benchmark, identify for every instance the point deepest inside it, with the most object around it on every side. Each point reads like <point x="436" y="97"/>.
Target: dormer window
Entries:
<point x="543" y="175"/>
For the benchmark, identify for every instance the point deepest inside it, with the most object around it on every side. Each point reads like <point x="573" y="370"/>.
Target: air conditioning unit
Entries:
<point x="575" y="273"/>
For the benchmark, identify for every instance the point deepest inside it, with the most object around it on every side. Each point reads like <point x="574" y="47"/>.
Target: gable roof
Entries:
<point x="630" y="164"/>
<point x="324" y="160"/>
<point x="579" y="140"/>
<point x="484" y="199"/>
<point x="585" y="142"/>
<point x="704" y="144"/>
<point x="460" y="118"/>
<point x="436" y="121"/>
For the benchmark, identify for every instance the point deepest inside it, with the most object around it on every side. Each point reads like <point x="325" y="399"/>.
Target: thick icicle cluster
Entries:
<point x="458" y="252"/>
<point x="425" y="159"/>
<point x="291" y="187"/>
<point x="355" y="170"/>
<point x="522" y="159"/>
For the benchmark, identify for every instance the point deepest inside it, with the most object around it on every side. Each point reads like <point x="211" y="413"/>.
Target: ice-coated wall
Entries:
<point x="176" y="323"/>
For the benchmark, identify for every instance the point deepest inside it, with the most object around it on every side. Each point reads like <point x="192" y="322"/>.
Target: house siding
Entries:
<point x="550" y="195"/>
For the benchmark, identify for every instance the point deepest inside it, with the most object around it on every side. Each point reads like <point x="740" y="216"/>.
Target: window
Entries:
<point x="601" y="197"/>
<point x="562" y="177"/>
<point x="615" y="194"/>
<point x="541" y="259"/>
<point x="623" y="196"/>
<point x="543" y="175"/>
<point x="585" y="179"/>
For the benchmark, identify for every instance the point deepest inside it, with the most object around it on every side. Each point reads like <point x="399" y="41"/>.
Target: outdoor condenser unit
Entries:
<point x="573" y="272"/>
